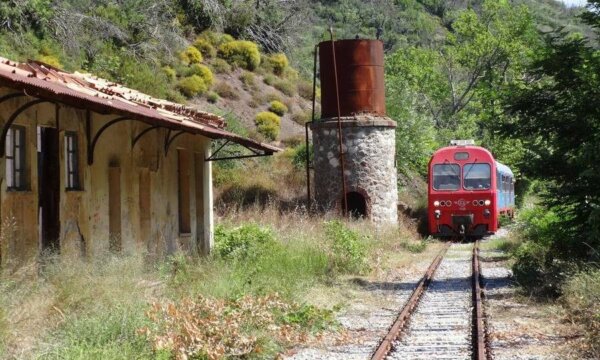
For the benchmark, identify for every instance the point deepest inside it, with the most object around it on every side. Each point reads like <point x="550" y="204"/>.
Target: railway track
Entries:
<point x="443" y="318"/>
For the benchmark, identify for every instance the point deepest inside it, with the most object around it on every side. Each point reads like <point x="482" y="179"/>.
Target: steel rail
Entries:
<point x="385" y="345"/>
<point x="480" y="349"/>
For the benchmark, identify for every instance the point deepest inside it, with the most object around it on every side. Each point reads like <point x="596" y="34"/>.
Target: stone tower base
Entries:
<point x="369" y="148"/>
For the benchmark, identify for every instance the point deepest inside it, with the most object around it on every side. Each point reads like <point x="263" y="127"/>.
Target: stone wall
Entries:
<point x="369" y="147"/>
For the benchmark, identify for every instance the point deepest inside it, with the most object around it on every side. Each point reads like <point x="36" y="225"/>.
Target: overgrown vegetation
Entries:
<point x="252" y="297"/>
<point x="581" y="298"/>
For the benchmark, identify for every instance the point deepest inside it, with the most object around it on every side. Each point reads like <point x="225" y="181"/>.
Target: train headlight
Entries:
<point x="488" y="202"/>
<point x="436" y="203"/>
<point x="486" y="213"/>
<point x="437" y="214"/>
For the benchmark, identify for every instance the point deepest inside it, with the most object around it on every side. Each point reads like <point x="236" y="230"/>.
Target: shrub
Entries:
<point x="143" y="77"/>
<point x="241" y="53"/>
<point x="192" y="85"/>
<point x="539" y="225"/>
<point x="170" y="73"/>
<point x="51" y="60"/>
<point x="212" y="97"/>
<point x="286" y="87"/>
<point x="348" y="249"/>
<point x="205" y="47"/>
<point x="278" y="108"/>
<point x="299" y="155"/>
<point x="269" y="79"/>
<point x="293" y="141"/>
<point x="291" y="74"/>
<point x="305" y="90"/>
<point x="226" y="91"/>
<point x="279" y="63"/>
<point x="272" y="97"/>
<point x="209" y="36"/>
<point x="221" y="66"/>
<point x="225" y="38"/>
<point x="213" y="38"/>
<point x="301" y="117"/>
<point x="538" y="271"/>
<point x="175" y="96"/>
<point x="268" y="124"/>
<point x="243" y="242"/>
<point x="203" y="72"/>
<point x="581" y="298"/>
<point x="247" y="78"/>
<point x="190" y="55"/>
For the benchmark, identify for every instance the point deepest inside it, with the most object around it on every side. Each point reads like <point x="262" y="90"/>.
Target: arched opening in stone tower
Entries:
<point x="357" y="205"/>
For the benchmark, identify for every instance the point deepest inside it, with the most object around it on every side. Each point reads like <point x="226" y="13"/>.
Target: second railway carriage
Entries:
<point x="468" y="191"/>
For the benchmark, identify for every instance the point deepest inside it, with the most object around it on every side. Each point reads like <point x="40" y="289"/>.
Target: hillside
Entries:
<point x="131" y="42"/>
<point x="248" y="93"/>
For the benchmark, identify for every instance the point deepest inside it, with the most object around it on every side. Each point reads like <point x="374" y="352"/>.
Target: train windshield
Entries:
<point x="446" y="177"/>
<point x="477" y="177"/>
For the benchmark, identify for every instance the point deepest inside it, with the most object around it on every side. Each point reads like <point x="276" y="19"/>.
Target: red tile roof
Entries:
<point x="86" y="91"/>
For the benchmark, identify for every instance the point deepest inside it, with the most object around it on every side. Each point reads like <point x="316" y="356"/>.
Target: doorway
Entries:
<point x="114" y="208"/>
<point x="48" y="188"/>
<point x="357" y="205"/>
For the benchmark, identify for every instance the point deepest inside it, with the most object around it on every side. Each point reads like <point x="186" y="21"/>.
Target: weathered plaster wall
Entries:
<point x="369" y="148"/>
<point x="149" y="218"/>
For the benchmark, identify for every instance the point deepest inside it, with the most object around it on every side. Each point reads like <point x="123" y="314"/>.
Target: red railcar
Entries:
<point x="468" y="191"/>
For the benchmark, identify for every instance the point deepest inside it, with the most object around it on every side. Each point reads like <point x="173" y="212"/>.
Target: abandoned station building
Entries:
<point x="88" y="166"/>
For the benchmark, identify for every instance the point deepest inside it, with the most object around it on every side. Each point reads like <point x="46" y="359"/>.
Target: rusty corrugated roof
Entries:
<point x="86" y="91"/>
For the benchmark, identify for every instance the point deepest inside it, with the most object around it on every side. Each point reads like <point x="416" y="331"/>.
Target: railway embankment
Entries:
<point x="520" y="326"/>
<point x="372" y="305"/>
<point x="440" y="322"/>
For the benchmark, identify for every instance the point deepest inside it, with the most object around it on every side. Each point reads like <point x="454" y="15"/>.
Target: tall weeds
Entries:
<point x="109" y="306"/>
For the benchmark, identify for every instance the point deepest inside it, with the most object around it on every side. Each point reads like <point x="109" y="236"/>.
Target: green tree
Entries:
<point x="452" y="90"/>
<point x="556" y="115"/>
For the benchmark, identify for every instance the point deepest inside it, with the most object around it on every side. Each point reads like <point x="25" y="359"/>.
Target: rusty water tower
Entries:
<point x="354" y="141"/>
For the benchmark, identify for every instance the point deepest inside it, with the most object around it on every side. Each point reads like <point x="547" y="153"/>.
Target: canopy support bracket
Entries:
<point x="94" y="140"/>
<point x="13" y="117"/>
<point x="213" y="156"/>
<point x="144" y="132"/>
<point x="169" y="139"/>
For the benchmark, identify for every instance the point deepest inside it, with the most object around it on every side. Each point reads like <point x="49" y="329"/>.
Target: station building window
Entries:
<point x="72" y="161"/>
<point x="16" y="165"/>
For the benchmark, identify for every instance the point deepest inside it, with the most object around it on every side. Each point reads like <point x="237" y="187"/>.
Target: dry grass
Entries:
<point x="95" y="308"/>
<point x="53" y="310"/>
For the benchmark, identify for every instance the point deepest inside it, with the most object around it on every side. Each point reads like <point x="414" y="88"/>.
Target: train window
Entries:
<point x="477" y="176"/>
<point x="446" y="177"/>
<point x="461" y="156"/>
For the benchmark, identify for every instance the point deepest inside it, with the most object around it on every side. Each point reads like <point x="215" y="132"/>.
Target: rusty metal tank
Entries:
<point x="360" y="78"/>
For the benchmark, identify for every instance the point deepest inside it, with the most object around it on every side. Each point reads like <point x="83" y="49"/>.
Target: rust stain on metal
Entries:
<point x="361" y="81"/>
<point x="85" y="91"/>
